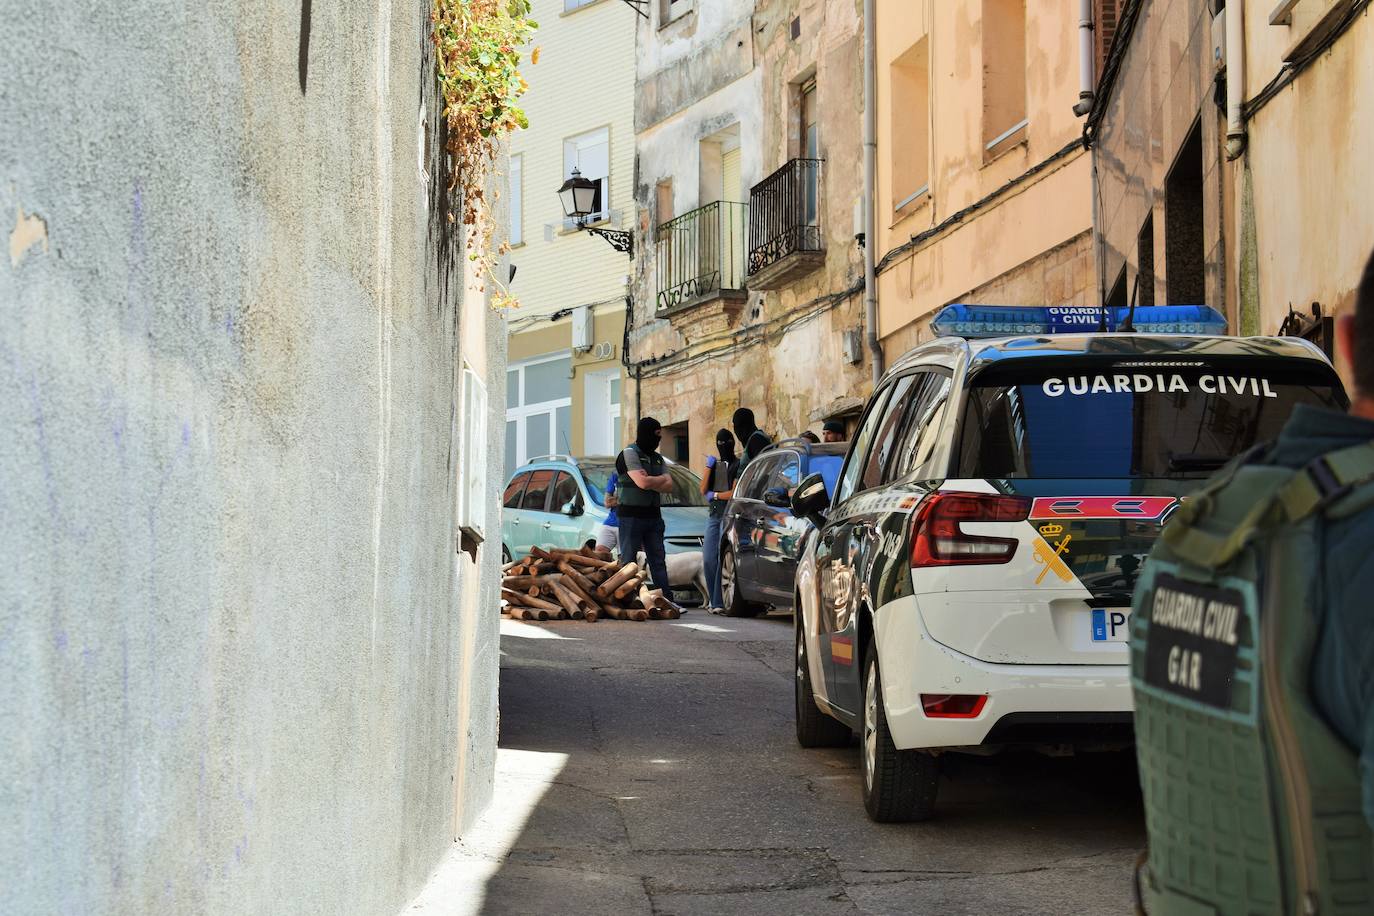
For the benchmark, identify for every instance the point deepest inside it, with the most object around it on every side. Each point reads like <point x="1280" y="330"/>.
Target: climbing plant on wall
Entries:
<point x="479" y="45"/>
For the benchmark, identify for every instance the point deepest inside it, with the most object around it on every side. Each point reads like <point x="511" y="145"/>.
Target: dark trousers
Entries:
<point x="645" y="534"/>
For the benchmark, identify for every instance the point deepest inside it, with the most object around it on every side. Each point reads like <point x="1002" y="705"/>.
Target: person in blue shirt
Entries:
<point x="608" y="535"/>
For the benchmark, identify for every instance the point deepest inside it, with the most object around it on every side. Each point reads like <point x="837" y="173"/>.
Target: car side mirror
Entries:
<point x="777" y="498"/>
<point x="810" y="499"/>
<point x="572" y="508"/>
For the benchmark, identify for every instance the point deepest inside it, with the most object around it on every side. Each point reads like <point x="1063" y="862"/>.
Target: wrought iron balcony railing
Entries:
<point x="701" y="253"/>
<point x="784" y="214"/>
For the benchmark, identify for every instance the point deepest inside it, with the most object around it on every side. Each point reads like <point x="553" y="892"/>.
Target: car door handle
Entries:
<point x="547" y="525"/>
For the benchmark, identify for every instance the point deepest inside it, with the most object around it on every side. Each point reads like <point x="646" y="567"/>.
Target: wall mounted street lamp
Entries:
<point x="578" y="196"/>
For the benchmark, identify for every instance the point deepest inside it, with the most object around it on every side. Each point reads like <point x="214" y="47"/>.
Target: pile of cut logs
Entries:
<point x="580" y="585"/>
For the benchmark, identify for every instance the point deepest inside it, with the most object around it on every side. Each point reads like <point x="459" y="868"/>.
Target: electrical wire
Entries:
<point x="1294" y="68"/>
<point x="982" y="204"/>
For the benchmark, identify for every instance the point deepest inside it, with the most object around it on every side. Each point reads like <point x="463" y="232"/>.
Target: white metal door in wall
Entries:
<point x="602" y="412"/>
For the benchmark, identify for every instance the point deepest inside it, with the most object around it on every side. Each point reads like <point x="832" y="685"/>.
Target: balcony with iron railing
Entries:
<point x="700" y="256"/>
<point x="784" y="225"/>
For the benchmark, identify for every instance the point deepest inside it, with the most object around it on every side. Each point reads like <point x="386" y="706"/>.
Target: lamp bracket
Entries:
<point x="623" y="242"/>
<point x="638" y="6"/>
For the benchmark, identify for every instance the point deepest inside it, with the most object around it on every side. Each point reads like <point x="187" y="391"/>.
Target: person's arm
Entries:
<point x="706" y="478"/>
<point x="729" y="494"/>
<point x="642" y="478"/>
<point x="611" y="484"/>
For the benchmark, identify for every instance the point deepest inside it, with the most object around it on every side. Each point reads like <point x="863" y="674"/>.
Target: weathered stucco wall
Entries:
<point x="242" y="669"/>
<point x="1312" y="187"/>
<point x="1164" y="89"/>
<point x="984" y="217"/>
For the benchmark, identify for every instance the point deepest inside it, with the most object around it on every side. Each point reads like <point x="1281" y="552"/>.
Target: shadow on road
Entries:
<point x="683" y="791"/>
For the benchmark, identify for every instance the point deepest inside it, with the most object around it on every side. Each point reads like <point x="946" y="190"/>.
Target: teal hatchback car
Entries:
<point x="560" y="501"/>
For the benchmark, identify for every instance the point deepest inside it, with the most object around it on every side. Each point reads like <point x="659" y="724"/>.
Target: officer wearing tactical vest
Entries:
<point x="1251" y="658"/>
<point x="643" y="480"/>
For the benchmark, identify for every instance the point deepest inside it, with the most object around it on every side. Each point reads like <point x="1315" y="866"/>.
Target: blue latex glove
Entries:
<point x="710" y="461"/>
<point x="711" y="496"/>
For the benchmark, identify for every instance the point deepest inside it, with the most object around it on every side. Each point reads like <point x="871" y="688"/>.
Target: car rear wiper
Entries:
<point x="1195" y="462"/>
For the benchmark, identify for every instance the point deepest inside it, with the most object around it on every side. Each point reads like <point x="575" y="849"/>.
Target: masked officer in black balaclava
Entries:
<point x="718" y="486"/>
<point x="747" y="431"/>
<point x="643" y="479"/>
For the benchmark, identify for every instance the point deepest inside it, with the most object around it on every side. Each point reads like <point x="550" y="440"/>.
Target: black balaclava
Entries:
<point x="649" y="434"/>
<point x="743" y="422"/>
<point x="725" y="444"/>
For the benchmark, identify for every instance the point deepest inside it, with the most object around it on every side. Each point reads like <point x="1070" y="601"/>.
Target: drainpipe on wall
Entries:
<point x="1235" y="80"/>
<point x="875" y="349"/>
<point x="1086" y="59"/>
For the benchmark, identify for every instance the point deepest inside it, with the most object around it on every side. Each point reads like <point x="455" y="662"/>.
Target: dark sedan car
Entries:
<point x="760" y="538"/>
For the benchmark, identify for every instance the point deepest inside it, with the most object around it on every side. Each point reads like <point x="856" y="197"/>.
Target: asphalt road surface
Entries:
<point x="672" y="784"/>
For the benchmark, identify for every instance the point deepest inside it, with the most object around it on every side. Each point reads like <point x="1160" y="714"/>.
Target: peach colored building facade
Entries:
<point x="983" y="187"/>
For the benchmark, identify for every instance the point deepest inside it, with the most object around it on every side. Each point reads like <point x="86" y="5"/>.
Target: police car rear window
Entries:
<point x="1134" y="418"/>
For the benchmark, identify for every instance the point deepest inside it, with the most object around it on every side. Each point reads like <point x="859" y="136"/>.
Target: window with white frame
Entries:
<point x="570" y="5"/>
<point x="590" y="154"/>
<point x="538" y="409"/>
<point x="472" y="474"/>
<point x="516" y="199"/>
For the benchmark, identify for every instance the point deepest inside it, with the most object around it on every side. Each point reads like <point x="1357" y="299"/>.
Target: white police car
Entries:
<point x="967" y="585"/>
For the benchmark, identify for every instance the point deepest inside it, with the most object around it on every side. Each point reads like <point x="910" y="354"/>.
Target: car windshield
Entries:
<point x="1131" y="419"/>
<point x="828" y="466"/>
<point x="686" y="485"/>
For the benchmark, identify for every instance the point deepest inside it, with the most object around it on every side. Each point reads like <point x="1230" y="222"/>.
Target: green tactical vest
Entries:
<point x="1252" y="803"/>
<point x="630" y="493"/>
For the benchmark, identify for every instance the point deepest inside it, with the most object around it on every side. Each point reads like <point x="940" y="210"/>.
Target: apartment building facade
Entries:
<point x="747" y="122"/>
<point x="983" y="187"/>
<point x="1230" y="145"/>
<point x="566" y="367"/>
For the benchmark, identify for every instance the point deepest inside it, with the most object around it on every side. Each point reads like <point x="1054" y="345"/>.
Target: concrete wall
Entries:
<point x="1310" y="185"/>
<point x="242" y="668"/>
<point x="1163" y="90"/>
<point x="1010" y="232"/>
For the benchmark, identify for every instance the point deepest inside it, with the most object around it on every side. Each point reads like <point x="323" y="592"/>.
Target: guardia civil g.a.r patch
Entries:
<point x="1192" y="643"/>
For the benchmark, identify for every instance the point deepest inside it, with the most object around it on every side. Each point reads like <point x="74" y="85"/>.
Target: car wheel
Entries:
<point x="898" y="785"/>
<point x="735" y="605"/>
<point x="505" y="555"/>
<point x="814" y="728"/>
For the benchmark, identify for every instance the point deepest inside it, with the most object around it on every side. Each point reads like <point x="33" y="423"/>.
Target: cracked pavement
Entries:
<point x="673" y="786"/>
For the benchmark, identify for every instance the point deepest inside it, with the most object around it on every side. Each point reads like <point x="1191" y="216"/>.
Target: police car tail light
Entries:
<point x="953" y="706"/>
<point x="938" y="538"/>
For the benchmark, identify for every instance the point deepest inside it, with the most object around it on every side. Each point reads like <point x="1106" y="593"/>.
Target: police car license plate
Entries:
<point x="1111" y="624"/>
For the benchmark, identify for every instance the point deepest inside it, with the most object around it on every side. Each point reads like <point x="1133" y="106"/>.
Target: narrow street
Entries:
<point x="684" y="792"/>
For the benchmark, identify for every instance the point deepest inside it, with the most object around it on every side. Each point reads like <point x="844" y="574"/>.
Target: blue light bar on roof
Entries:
<point x="1014" y="320"/>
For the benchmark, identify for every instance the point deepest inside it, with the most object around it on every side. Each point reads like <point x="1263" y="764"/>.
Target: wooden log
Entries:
<point x="590" y="562"/>
<point x="514" y="597"/>
<point x="539" y="553"/>
<point x="539" y="603"/>
<point x="579" y="586"/>
<point x="523" y="582"/>
<point x="568" y="600"/>
<point x="620" y="578"/>
<point x="630" y="587"/>
<point x="511" y="565"/>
